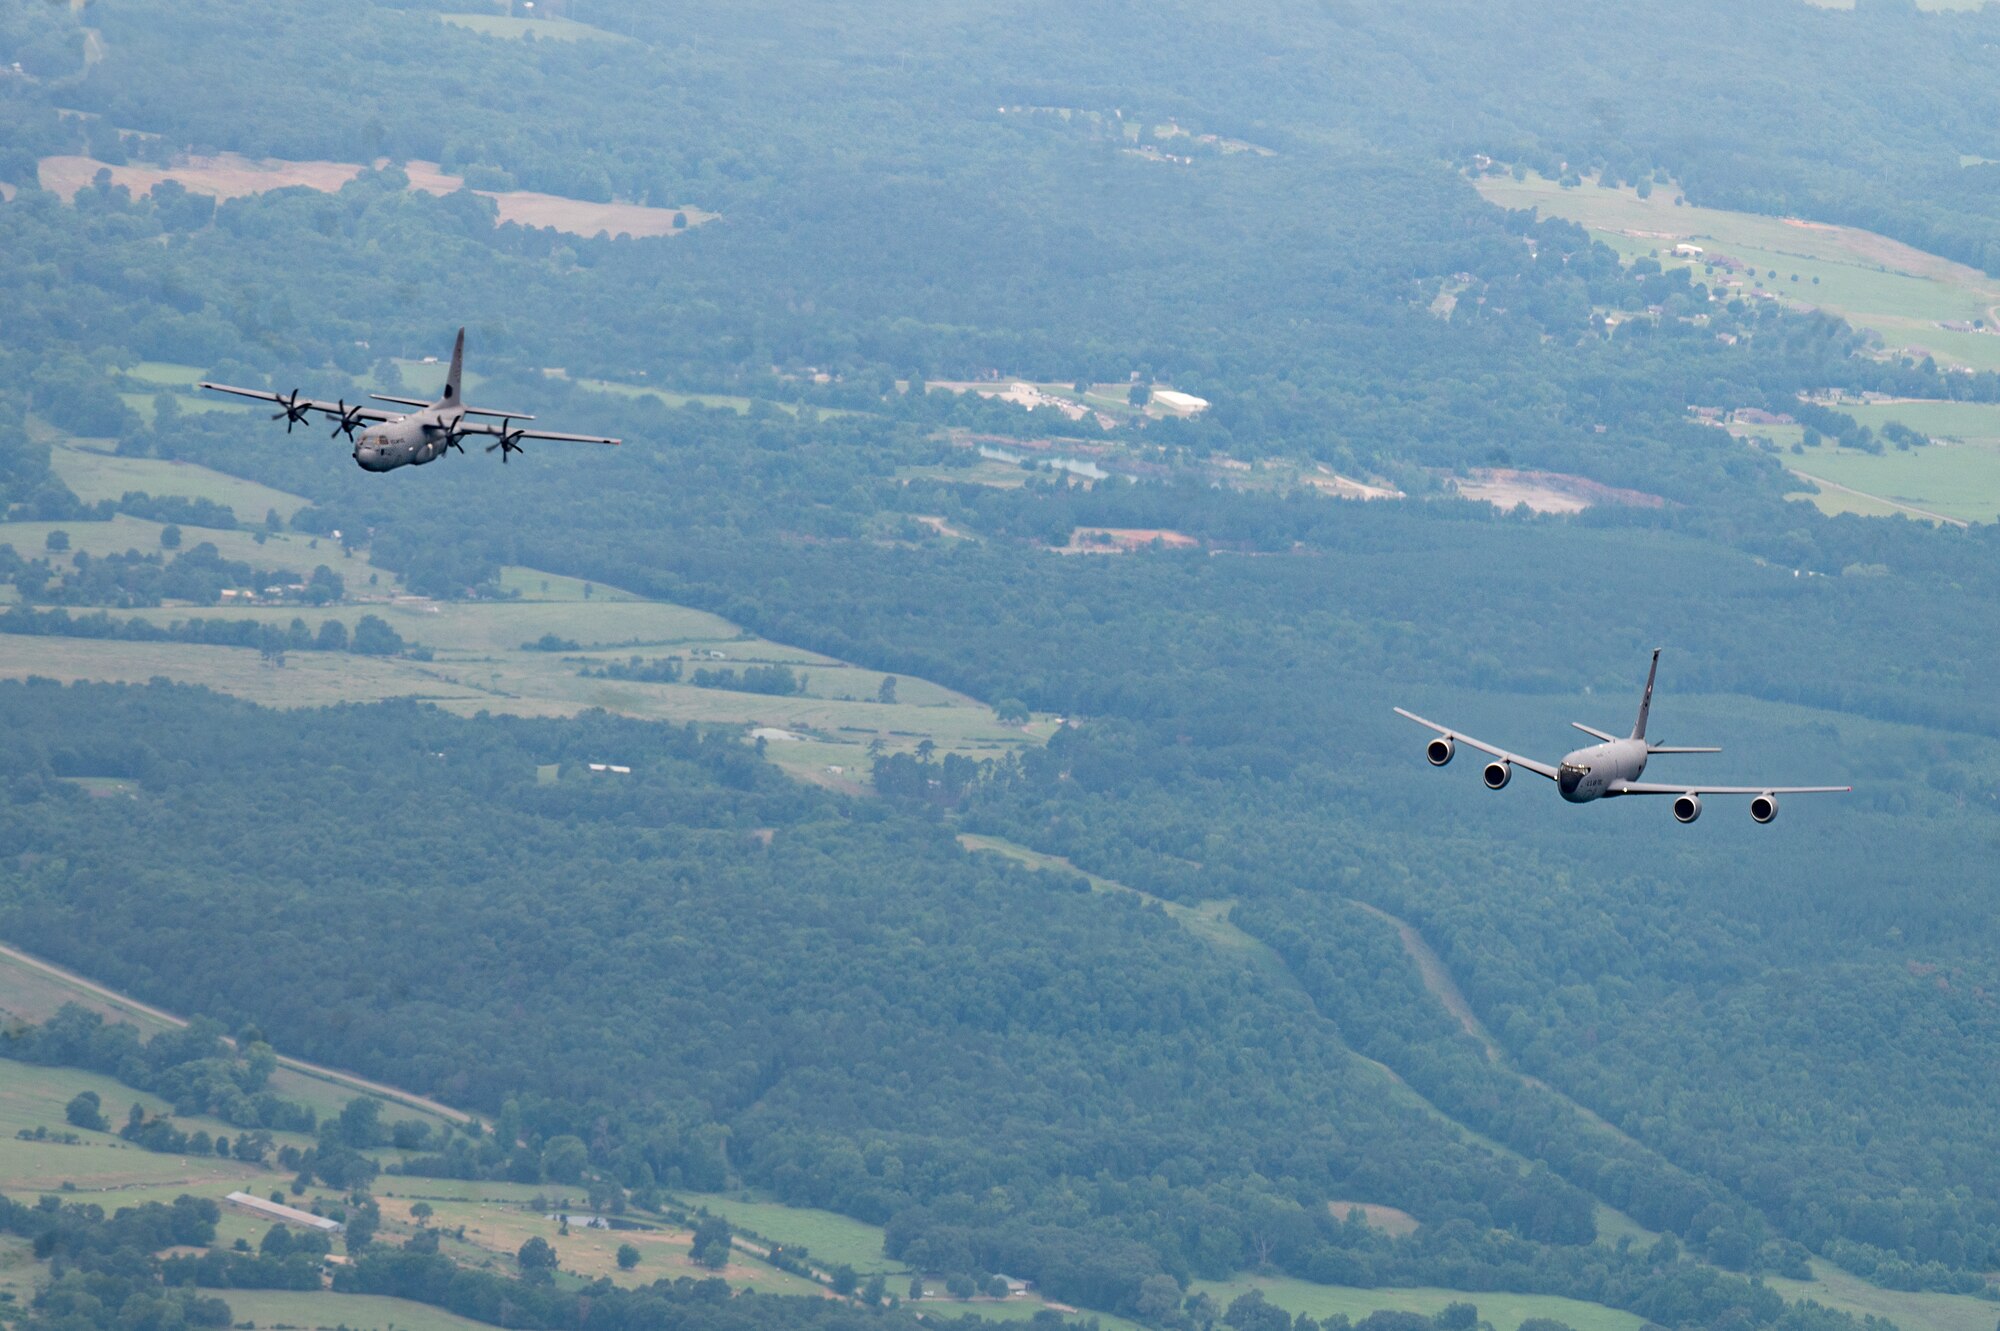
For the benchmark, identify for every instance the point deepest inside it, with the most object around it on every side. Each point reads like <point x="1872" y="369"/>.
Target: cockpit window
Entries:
<point x="1574" y="769"/>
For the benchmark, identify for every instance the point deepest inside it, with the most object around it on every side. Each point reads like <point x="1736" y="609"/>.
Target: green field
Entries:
<point x="829" y="1238"/>
<point x="1911" y="1311"/>
<point x="480" y="662"/>
<point x="96" y="475"/>
<point x="1505" y="1311"/>
<point x="269" y="1308"/>
<point x="1872" y="281"/>
<point x="144" y="404"/>
<point x="1956" y="477"/>
<point x="166" y="373"/>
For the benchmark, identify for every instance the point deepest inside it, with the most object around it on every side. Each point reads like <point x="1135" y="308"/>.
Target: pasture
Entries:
<point x="265" y="1309"/>
<point x="1842" y="1290"/>
<point x="1873" y="282"/>
<point x="1954" y="480"/>
<point x="829" y="1239"/>
<point x="231" y="176"/>
<point x="1505" y="1311"/>
<point x="1957" y="477"/>
<point x="96" y="474"/>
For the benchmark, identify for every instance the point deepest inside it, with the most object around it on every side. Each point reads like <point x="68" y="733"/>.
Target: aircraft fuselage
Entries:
<point x="1586" y="774"/>
<point x="405" y="441"/>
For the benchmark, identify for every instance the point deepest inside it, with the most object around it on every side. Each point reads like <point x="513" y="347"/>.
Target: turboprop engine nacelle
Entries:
<point x="1687" y="808"/>
<point x="1764" y="808"/>
<point x="1440" y="751"/>
<point x="1498" y="774"/>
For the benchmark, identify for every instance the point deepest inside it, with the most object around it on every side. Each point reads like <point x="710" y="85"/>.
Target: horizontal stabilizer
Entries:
<point x="400" y="401"/>
<point x="1594" y="732"/>
<point x="1680" y="748"/>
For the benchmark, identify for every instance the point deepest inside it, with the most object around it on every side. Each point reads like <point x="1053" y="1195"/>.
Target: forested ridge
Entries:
<point x="714" y="977"/>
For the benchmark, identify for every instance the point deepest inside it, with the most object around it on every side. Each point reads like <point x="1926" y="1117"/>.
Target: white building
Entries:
<point x="290" y="1215"/>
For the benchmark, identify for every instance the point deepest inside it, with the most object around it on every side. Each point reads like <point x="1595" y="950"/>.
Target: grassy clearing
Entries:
<point x="166" y="373"/>
<point x="1872" y="281"/>
<point x="293" y="551"/>
<point x="95" y="475"/>
<point x="543" y="29"/>
<point x="1958" y="481"/>
<point x="497" y="1220"/>
<point x="31" y="991"/>
<point x="309" y="679"/>
<point x="1957" y="477"/>
<point x="143" y="404"/>
<point x="481" y="661"/>
<point x="1850" y="1293"/>
<point x="535" y="585"/>
<point x="830" y="1239"/>
<point x="17" y="1268"/>
<point x="267" y="1308"/>
<point x="1505" y="1311"/>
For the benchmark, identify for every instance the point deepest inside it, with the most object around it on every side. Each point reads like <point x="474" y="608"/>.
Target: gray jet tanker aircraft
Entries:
<point x="410" y="439"/>
<point x="1613" y="767"/>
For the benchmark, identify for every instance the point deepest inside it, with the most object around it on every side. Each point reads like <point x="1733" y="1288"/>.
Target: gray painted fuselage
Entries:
<point x="406" y="441"/>
<point x="1586" y="774"/>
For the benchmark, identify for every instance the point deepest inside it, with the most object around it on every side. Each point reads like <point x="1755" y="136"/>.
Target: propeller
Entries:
<point x="509" y="441"/>
<point x="452" y="434"/>
<point x="350" y="420"/>
<point x="294" y="413"/>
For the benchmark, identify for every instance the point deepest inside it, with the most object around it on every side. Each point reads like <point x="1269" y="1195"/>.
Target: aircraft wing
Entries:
<point x="1696" y="788"/>
<point x="471" y="428"/>
<point x="1526" y="764"/>
<point x="296" y="403"/>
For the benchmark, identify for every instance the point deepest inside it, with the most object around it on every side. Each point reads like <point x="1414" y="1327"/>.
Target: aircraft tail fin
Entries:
<point x="1646" y="700"/>
<point x="451" y="394"/>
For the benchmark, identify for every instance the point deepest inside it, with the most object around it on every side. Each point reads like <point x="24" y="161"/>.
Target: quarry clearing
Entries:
<point x="232" y="176"/>
<point x="1546" y="491"/>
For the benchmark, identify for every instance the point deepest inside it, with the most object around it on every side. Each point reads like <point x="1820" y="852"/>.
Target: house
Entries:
<point x="278" y="1211"/>
<point x="1687" y="251"/>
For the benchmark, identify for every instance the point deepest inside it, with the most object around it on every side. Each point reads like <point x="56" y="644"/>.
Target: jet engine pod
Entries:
<point x="1498" y="774"/>
<point x="1687" y="808"/>
<point x="1764" y="808"/>
<point x="1440" y="750"/>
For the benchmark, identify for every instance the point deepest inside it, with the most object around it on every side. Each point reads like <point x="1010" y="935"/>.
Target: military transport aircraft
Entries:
<point x="1613" y="767"/>
<point x="410" y="439"/>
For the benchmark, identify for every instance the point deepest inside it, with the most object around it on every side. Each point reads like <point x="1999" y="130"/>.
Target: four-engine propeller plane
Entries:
<point x="387" y="439"/>
<point x="1612" y="767"/>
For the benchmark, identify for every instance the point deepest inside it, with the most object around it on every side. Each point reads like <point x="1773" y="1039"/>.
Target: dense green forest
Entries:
<point x="1783" y="1036"/>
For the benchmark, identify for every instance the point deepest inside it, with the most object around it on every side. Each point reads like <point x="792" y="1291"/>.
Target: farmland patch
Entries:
<point x="230" y="176"/>
<point x="1919" y="303"/>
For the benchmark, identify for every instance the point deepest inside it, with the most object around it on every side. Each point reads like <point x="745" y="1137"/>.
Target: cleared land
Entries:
<point x="481" y="661"/>
<point x="265" y="1309"/>
<point x="1505" y="1311"/>
<point x="1546" y="491"/>
<point x="96" y="474"/>
<point x="32" y="990"/>
<point x="1873" y="282"/>
<point x="1956" y="478"/>
<point x="542" y="29"/>
<point x="230" y="176"/>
